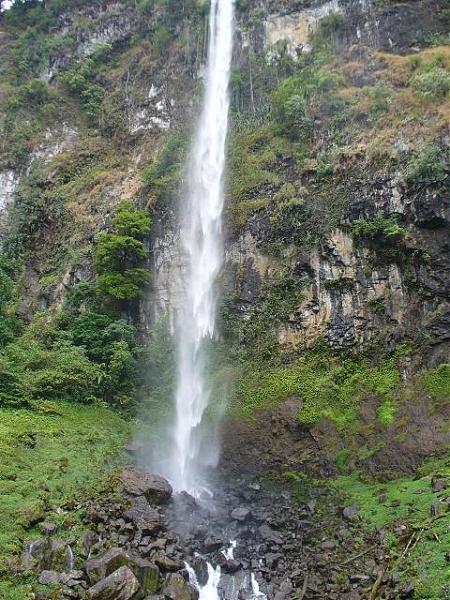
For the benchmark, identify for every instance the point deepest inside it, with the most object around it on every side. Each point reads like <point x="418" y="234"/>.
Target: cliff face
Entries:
<point x="337" y="197"/>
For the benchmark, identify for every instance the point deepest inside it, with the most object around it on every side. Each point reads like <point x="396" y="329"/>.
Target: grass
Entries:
<point x="408" y="502"/>
<point x="50" y="456"/>
<point x="330" y="386"/>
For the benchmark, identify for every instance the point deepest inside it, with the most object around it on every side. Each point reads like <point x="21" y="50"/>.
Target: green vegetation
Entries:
<point x="119" y="253"/>
<point x="164" y="175"/>
<point x="408" y="502"/>
<point x="329" y="385"/>
<point x="50" y="456"/>
<point x="384" y="235"/>
<point x="429" y="167"/>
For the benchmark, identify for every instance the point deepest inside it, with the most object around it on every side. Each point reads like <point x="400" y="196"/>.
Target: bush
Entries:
<point x="33" y="371"/>
<point x="433" y="85"/>
<point x="164" y="174"/>
<point x="429" y="167"/>
<point x="119" y="252"/>
<point x="81" y="82"/>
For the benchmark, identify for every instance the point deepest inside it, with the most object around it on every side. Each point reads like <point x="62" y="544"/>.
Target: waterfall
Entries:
<point x="202" y="239"/>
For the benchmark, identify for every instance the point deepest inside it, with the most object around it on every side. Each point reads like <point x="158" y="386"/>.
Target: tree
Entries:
<point x="120" y="252"/>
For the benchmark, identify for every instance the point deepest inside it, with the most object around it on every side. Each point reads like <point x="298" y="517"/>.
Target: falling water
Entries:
<point x="201" y="235"/>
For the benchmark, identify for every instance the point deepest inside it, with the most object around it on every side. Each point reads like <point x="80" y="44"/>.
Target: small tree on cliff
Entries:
<point x="120" y="253"/>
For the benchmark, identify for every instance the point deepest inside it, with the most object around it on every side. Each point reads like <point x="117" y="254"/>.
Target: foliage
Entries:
<point x="51" y="455"/>
<point x="9" y="324"/>
<point x="36" y="371"/>
<point x="80" y="80"/>
<point x="36" y="207"/>
<point x="384" y="235"/>
<point x="330" y="29"/>
<point x="330" y="386"/>
<point x="433" y="84"/>
<point x="429" y="167"/>
<point x="408" y="502"/>
<point x="163" y="176"/>
<point x="299" y="97"/>
<point x="437" y="383"/>
<point x="118" y="254"/>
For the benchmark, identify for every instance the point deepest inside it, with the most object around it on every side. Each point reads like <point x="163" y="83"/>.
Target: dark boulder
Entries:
<point x="140" y="483"/>
<point x="143" y="516"/>
<point x="177" y="588"/>
<point x="120" y="585"/>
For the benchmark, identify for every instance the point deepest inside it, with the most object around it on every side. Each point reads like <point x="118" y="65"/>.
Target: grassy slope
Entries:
<point x="406" y="510"/>
<point x="48" y="457"/>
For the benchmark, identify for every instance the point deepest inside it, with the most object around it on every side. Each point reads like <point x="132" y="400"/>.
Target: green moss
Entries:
<point x="408" y="501"/>
<point x="330" y="386"/>
<point x="49" y="456"/>
<point x="437" y="383"/>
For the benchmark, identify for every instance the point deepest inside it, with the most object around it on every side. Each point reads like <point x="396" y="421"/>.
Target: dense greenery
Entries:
<point x="120" y="252"/>
<point x="51" y="456"/>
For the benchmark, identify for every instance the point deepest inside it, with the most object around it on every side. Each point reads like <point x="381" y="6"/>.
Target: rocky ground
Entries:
<point x="141" y="538"/>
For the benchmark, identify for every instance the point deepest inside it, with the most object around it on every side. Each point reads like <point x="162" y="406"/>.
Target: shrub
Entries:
<point x="429" y="167"/>
<point x="432" y="85"/>
<point x="119" y="252"/>
<point x="80" y="80"/>
<point x="164" y="174"/>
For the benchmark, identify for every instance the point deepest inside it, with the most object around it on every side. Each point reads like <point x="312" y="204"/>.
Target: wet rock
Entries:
<point x="210" y="544"/>
<point x="231" y="566"/>
<point x="107" y="563"/>
<point x="438" y="484"/>
<point x="147" y="574"/>
<point x="350" y="513"/>
<point x="140" y="483"/>
<point x="49" y="578"/>
<point x="240" y="514"/>
<point x="269" y="534"/>
<point x="120" y="585"/>
<point x="167" y="564"/>
<point x="200" y="569"/>
<point x="271" y="559"/>
<point x="143" y="516"/>
<point x="218" y="559"/>
<point x="177" y="588"/>
<point x="89" y="539"/>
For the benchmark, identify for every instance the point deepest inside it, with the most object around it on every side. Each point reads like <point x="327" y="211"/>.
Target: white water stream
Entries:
<point x="202" y="239"/>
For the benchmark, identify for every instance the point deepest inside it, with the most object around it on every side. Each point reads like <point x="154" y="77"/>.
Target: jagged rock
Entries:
<point x="240" y="514"/>
<point x="89" y="539"/>
<point x="49" y="577"/>
<point x="120" y="585"/>
<point x="143" y="516"/>
<point x="140" y="483"/>
<point x="100" y="567"/>
<point x="167" y="564"/>
<point x="146" y="572"/>
<point x="438" y="484"/>
<point x="48" y="528"/>
<point x="177" y="588"/>
<point x="350" y="513"/>
<point x="210" y="544"/>
<point x="231" y="566"/>
<point x="201" y="569"/>
<point x="269" y="535"/>
<point x="284" y="591"/>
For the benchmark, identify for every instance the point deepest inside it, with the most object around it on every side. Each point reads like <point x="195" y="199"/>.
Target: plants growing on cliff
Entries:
<point x="429" y="167"/>
<point x="119" y="253"/>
